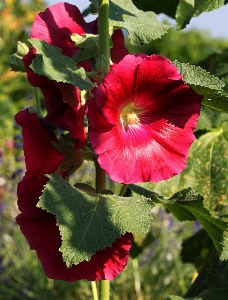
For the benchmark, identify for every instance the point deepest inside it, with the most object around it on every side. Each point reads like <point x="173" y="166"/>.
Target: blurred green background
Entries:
<point x="156" y="269"/>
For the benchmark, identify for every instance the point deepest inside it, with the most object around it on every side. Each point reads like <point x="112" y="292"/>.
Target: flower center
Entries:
<point x="129" y="115"/>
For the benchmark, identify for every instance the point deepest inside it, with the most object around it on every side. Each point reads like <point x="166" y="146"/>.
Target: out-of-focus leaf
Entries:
<point x="188" y="9"/>
<point x="210" y="118"/>
<point x="181" y="10"/>
<point x="213" y="275"/>
<point x="139" y="243"/>
<point x="206" y="170"/>
<point x="197" y="248"/>
<point x="213" y="294"/>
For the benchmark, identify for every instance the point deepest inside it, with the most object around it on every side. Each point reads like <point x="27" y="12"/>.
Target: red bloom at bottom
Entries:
<point x="141" y="120"/>
<point x="39" y="226"/>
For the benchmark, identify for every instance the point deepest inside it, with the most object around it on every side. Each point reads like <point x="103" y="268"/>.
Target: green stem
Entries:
<point x="100" y="178"/>
<point x="181" y="276"/>
<point x="105" y="289"/>
<point x="37" y="99"/>
<point x="104" y="38"/>
<point x="94" y="289"/>
<point x="123" y="189"/>
<point x="104" y="51"/>
<point x="136" y="275"/>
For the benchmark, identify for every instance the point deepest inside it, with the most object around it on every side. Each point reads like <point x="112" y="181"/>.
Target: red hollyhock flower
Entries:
<point x="54" y="26"/>
<point x="39" y="226"/>
<point x="141" y="120"/>
<point x="59" y="21"/>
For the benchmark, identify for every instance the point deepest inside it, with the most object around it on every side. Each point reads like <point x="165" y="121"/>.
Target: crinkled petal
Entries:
<point x="57" y="23"/>
<point x="118" y="87"/>
<point x="39" y="226"/>
<point x="35" y="79"/>
<point x="64" y="115"/>
<point x="39" y="153"/>
<point x="156" y="148"/>
<point x="62" y="101"/>
<point x="118" y="51"/>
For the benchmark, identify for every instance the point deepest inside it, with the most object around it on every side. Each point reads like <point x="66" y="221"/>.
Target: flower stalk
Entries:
<point x="104" y="51"/>
<point x="94" y="290"/>
<point x="100" y="178"/>
<point x="104" y="38"/>
<point x="105" y="289"/>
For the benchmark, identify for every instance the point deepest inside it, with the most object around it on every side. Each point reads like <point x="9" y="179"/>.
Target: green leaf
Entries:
<point x="174" y="298"/>
<point x="187" y="205"/>
<point x="88" y="46"/>
<point x="222" y="72"/>
<point x="142" y="27"/>
<point x="161" y="6"/>
<point x="212" y="275"/>
<point x="197" y="248"/>
<point x="203" y="83"/>
<point x="91" y="222"/>
<point x="206" y="170"/>
<point x="210" y="118"/>
<point x="212" y="294"/>
<point x="188" y="9"/>
<point x="182" y="10"/>
<point x="51" y="63"/>
<point x="142" y="191"/>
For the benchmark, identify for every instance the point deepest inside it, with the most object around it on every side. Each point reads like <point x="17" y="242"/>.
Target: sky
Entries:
<point x="216" y="22"/>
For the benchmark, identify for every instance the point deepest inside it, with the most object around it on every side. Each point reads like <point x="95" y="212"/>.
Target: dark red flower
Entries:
<point x="39" y="226"/>
<point x="63" y="102"/>
<point x="142" y="119"/>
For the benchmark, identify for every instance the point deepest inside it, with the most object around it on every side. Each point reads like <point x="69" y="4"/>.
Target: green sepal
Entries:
<point x="50" y="62"/>
<point x="88" y="45"/>
<point x="90" y="222"/>
<point x="16" y="62"/>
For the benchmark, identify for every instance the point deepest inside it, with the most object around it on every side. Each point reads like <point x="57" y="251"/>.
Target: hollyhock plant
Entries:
<point x="39" y="226"/>
<point x="142" y="112"/>
<point x="142" y="120"/>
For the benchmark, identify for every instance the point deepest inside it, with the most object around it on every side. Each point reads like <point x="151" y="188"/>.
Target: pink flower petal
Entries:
<point x="58" y="22"/>
<point x="155" y="147"/>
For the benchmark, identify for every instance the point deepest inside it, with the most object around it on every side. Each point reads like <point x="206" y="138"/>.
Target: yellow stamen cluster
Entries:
<point x="132" y="119"/>
<point x="129" y="115"/>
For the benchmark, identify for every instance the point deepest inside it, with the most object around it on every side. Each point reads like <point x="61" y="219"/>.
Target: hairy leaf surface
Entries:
<point x="90" y="222"/>
<point x="142" y="27"/>
<point x="187" y="205"/>
<point x="205" y="84"/>
<point x="51" y="63"/>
